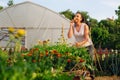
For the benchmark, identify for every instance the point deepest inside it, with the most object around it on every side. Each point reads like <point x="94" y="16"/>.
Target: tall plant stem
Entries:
<point x="97" y="59"/>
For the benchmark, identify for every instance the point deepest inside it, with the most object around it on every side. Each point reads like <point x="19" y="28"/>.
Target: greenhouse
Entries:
<point x="40" y="23"/>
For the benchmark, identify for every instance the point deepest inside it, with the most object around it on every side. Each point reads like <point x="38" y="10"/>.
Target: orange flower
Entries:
<point x="36" y="49"/>
<point x="23" y="48"/>
<point x="58" y="55"/>
<point x="31" y="51"/>
<point x="22" y="55"/>
<point x="46" y="52"/>
<point x="41" y="55"/>
<point x="82" y="60"/>
<point x="54" y="51"/>
<point x="29" y="54"/>
<point x="33" y="61"/>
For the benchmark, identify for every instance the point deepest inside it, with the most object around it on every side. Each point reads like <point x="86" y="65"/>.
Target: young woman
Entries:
<point x="81" y="32"/>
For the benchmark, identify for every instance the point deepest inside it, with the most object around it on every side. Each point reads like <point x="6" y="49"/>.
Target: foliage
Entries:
<point x="1" y="7"/>
<point x="110" y="65"/>
<point x="93" y="23"/>
<point x="10" y="3"/>
<point x="118" y="12"/>
<point x="45" y="62"/>
<point x="100" y="36"/>
<point x="68" y="14"/>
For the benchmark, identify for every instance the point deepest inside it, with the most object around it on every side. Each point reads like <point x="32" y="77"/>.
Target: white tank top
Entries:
<point x="79" y="36"/>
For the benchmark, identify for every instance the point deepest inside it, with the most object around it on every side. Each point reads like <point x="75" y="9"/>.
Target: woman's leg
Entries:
<point x="91" y="51"/>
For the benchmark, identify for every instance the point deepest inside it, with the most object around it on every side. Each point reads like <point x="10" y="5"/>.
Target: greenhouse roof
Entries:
<point x="31" y="15"/>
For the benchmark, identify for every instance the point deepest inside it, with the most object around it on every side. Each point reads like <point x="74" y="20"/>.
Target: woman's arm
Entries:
<point x="70" y="32"/>
<point x="86" y="36"/>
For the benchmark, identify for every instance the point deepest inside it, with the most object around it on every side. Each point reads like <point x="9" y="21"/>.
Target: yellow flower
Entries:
<point x="21" y="32"/>
<point x="11" y="29"/>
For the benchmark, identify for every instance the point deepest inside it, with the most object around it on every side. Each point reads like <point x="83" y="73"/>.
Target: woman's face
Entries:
<point x="77" y="18"/>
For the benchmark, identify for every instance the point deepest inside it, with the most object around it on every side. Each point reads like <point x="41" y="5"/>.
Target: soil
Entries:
<point x="107" y="78"/>
<point x="99" y="78"/>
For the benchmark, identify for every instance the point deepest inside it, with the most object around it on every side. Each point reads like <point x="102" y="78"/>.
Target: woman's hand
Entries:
<point x="71" y="23"/>
<point x="77" y="44"/>
<point x="70" y="32"/>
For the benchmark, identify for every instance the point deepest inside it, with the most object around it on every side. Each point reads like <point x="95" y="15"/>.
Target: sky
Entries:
<point x="98" y="9"/>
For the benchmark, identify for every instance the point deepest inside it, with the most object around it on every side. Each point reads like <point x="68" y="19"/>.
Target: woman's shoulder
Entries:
<point x="84" y="24"/>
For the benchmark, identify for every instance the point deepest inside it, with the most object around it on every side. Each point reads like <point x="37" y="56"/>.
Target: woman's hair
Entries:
<point x="83" y="20"/>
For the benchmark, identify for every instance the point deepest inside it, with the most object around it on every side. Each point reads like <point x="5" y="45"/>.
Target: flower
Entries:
<point x="82" y="60"/>
<point x="46" y="52"/>
<point x="54" y="51"/>
<point x="68" y="60"/>
<point x="29" y="54"/>
<point x="22" y="55"/>
<point x="21" y="32"/>
<point x="33" y="61"/>
<point x="100" y="51"/>
<point x="41" y="55"/>
<point x="11" y="29"/>
<point x="59" y="55"/>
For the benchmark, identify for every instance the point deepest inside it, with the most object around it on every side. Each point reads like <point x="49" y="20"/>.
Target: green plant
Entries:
<point x="45" y="62"/>
<point x="110" y="65"/>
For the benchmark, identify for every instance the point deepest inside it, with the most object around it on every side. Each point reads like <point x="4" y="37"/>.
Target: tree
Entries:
<point x="118" y="12"/>
<point x="93" y="22"/>
<point x="68" y="14"/>
<point x="1" y="7"/>
<point x="10" y="3"/>
<point x="108" y="25"/>
<point x="99" y="37"/>
<point x="117" y="21"/>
